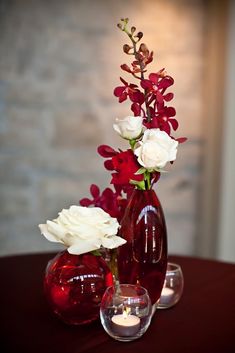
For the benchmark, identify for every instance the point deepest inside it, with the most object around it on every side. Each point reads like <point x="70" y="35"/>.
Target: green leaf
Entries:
<point x="140" y="184"/>
<point x="142" y="170"/>
<point x="96" y="253"/>
<point x="134" y="182"/>
<point x="161" y="170"/>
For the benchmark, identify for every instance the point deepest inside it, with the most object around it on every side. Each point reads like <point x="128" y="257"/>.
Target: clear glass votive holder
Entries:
<point x="173" y="286"/>
<point x="125" y="311"/>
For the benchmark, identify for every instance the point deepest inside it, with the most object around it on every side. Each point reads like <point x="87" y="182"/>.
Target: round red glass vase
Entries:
<point x="74" y="286"/>
<point x="143" y="259"/>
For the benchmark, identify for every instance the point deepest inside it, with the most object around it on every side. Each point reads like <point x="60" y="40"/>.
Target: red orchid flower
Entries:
<point x="128" y="90"/>
<point x="107" y="200"/>
<point x="114" y="203"/>
<point x="157" y="84"/>
<point x="163" y="119"/>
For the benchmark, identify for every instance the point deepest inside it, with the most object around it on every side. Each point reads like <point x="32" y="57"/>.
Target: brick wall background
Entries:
<point x="59" y="63"/>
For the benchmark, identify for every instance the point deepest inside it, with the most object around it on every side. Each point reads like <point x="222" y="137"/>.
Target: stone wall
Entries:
<point x="59" y="63"/>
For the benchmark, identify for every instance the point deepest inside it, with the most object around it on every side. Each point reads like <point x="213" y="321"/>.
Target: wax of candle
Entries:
<point x="125" y="325"/>
<point x="166" y="295"/>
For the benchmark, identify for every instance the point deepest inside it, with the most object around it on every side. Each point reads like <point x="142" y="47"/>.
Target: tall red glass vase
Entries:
<point x="143" y="259"/>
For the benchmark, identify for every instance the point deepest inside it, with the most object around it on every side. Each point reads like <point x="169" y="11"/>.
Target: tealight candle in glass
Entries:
<point x="173" y="287"/>
<point x="125" y="311"/>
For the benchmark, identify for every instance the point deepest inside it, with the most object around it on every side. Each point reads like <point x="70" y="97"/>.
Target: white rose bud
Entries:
<point x="156" y="149"/>
<point x="130" y="127"/>
<point x="83" y="229"/>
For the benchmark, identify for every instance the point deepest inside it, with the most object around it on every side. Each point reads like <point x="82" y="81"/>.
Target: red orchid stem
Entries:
<point x="142" y="78"/>
<point x="148" y="180"/>
<point x="141" y="65"/>
<point x="151" y="100"/>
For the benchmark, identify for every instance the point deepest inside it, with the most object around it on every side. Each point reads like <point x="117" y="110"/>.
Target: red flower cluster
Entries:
<point x="112" y="202"/>
<point x="107" y="200"/>
<point x="124" y="164"/>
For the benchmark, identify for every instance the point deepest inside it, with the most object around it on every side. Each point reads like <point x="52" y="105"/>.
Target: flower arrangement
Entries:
<point x="151" y="146"/>
<point x="148" y="130"/>
<point x="74" y="285"/>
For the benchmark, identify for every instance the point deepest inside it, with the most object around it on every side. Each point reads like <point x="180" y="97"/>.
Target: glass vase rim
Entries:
<point x="176" y="267"/>
<point x="145" y="190"/>
<point x="125" y="285"/>
<point x="81" y="254"/>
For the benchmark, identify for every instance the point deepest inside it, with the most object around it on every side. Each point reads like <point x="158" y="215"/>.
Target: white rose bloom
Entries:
<point x="156" y="149"/>
<point x="130" y="127"/>
<point x="83" y="229"/>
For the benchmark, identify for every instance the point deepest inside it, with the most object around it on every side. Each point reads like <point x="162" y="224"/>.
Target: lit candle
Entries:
<point x="125" y="325"/>
<point x="166" y="295"/>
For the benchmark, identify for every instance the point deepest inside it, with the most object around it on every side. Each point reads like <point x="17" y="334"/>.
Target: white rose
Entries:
<point x="156" y="149"/>
<point x="83" y="229"/>
<point x="130" y="127"/>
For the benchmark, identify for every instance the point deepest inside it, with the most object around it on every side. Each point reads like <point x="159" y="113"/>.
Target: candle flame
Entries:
<point x="126" y="312"/>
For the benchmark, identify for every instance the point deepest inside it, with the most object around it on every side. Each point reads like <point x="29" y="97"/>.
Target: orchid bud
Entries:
<point x="139" y="35"/>
<point x="133" y="29"/>
<point x="143" y="48"/>
<point x="126" y="48"/>
<point x="125" y="20"/>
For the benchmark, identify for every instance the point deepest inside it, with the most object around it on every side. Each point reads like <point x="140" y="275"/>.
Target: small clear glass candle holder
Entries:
<point x="125" y="311"/>
<point x="173" y="287"/>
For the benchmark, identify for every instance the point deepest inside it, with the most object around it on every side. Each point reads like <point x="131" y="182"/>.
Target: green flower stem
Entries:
<point x="96" y="253"/>
<point x="113" y="265"/>
<point x="132" y="144"/>
<point x="148" y="180"/>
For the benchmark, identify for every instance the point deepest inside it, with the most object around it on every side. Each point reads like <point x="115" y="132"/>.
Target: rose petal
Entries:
<point x="49" y="236"/>
<point x="82" y="247"/>
<point x="56" y="230"/>
<point x="113" y="242"/>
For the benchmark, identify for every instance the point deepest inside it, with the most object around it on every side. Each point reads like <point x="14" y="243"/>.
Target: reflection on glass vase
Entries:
<point x="74" y="286"/>
<point x="143" y="259"/>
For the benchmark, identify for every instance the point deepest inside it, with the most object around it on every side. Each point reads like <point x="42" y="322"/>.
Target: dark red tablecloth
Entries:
<point x="203" y="320"/>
